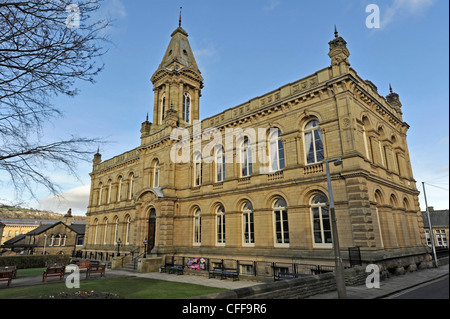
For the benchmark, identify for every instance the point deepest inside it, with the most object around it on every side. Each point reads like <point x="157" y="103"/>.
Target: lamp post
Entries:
<point x="145" y="247"/>
<point x="118" y="247"/>
<point x="339" y="273"/>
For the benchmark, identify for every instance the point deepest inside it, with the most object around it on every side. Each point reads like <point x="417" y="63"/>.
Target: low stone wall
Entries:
<point x="312" y="285"/>
<point x="294" y="288"/>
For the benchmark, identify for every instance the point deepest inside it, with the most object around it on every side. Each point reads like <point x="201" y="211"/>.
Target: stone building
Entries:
<point x="53" y="238"/>
<point x="190" y="189"/>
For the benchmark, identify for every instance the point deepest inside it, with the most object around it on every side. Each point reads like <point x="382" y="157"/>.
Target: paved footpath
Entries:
<point x="388" y="287"/>
<point x="191" y="279"/>
<point x="392" y="285"/>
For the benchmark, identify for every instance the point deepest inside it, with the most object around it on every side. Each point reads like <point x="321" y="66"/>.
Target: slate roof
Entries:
<point x="437" y="217"/>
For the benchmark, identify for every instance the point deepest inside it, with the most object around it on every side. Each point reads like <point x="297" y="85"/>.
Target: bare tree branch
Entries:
<point x="41" y="58"/>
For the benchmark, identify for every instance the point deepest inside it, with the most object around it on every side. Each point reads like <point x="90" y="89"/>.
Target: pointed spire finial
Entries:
<point x="179" y="21"/>
<point x="98" y="149"/>
<point x="335" y="32"/>
<point x="146" y="117"/>
<point x="390" y="88"/>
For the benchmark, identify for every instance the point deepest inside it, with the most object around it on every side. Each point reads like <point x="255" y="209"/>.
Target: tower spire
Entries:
<point x="335" y="32"/>
<point x="179" y="21"/>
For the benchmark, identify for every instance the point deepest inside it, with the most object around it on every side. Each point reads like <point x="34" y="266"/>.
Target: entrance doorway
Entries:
<point x="151" y="230"/>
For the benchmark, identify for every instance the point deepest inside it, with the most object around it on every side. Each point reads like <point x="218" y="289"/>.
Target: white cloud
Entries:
<point x="405" y="8"/>
<point x="272" y="5"/>
<point x="76" y="198"/>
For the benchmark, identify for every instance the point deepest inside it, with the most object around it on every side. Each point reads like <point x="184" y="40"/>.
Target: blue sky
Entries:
<point x="247" y="48"/>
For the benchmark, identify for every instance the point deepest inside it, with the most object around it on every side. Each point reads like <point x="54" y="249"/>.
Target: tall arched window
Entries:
<point x="100" y="193"/>
<point x="51" y="241"/>
<point x="313" y="142"/>
<point x="128" y="229"/>
<point x="276" y="150"/>
<point x="320" y="216"/>
<point x="116" y="228"/>
<point x="220" y="165"/>
<point x="57" y="240"/>
<point x="108" y="197"/>
<point x="220" y="225"/>
<point x="281" y="223"/>
<point x="95" y="231"/>
<point x="197" y="226"/>
<point x="246" y="158"/>
<point x="163" y="107"/>
<point x="131" y="190"/>
<point x="248" y="229"/>
<point x="197" y="170"/>
<point x="186" y="107"/>
<point x="119" y="188"/>
<point x="63" y="240"/>
<point x="156" y="174"/>
<point x="105" y="228"/>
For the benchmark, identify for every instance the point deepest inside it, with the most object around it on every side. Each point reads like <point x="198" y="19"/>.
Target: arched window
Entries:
<point x="163" y="108"/>
<point x="197" y="170"/>
<point x="186" y="107"/>
<point x="246" y="158"/>
<point x="105" y="228"/>
<point x="379" y="201"/>
<point x="63" y="241"/>
<point x="248" y="233"/>
<point x="95" y="231"/>
<point x="100" y="193"/>
<point x="156" y="174"/>
<point x="131" y="190"/>
<point x="127" y="234"/>
<point x="276" y="150"/>
<point x="119" y="188"/>
<point x="116" y="228"/>
<point x="313" y="142"/>
<point x="220" y="165"/>
<point x="197" y="226"/>
<point x="57" y="241"/>
<point x="51" y="241"/>
<point x="320" y="216"/>
<point x="281" y="222"/>
<point x="220" y="223"/>
<point x="108" y="197"/>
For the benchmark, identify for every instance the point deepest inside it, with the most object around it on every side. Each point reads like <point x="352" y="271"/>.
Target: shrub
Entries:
<point x="33" y="261"/>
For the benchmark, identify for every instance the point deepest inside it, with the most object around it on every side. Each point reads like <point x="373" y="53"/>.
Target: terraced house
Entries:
<point x="191" y="193"/>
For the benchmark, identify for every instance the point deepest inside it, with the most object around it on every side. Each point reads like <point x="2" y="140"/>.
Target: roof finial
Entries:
<point x="335" y="32"/>
<point x="98" y="149"/>
<point x="179" y="21"/>
<point x="146" y="119"/>
<point x="390" y="88"/>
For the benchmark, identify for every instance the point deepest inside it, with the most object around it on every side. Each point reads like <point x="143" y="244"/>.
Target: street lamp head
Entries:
<point x="337" y="162"/>
<point x="119" y="241"/>
<point x="145" y="242"/>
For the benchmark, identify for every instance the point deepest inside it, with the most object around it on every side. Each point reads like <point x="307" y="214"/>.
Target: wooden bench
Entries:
<point x="224" y="273"/>
<point x="54" y="271"/>
<point x="96" y="269"/>
<point x="83" y="265"/>
<point x="10" y="268"/>
<point x="173" y="268"/>
<point x="7" y="275"/>
<point x="288" y="275"/>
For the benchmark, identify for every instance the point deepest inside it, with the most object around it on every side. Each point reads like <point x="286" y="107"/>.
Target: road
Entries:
<point x="437" y="289"/>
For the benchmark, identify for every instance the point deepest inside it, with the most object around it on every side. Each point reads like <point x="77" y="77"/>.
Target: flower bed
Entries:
<point x="82" y="294"/>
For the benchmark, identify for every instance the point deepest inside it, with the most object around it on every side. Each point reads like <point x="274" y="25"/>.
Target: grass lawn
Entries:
<point x="126" y="287"/>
